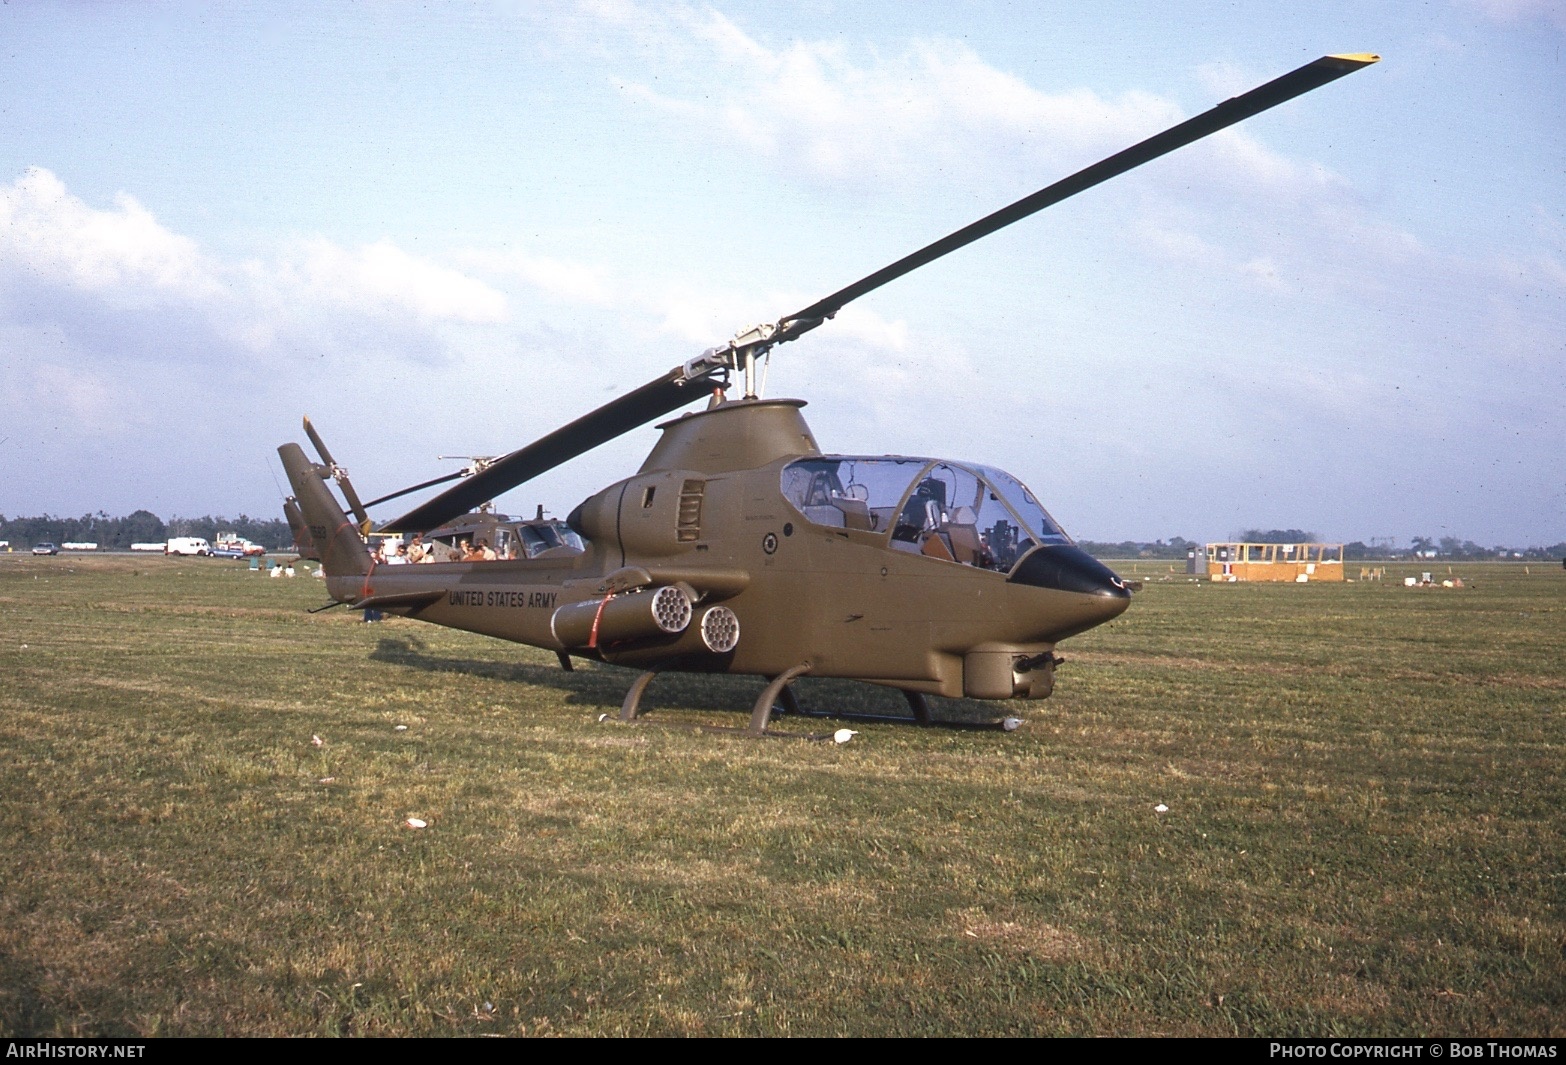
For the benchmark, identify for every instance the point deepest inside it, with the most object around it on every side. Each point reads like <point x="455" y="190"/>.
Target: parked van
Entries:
<point x="187" y="545"/>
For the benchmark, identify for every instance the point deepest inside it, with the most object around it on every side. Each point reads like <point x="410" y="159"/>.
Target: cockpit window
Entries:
<point x="850" y="493"/>
<point x="550" y="536"/>
<point x="974" y="516"/>
<point x="1016" y="495"/>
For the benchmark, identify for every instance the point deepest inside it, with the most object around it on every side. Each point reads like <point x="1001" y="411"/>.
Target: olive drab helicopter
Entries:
<point x="741" y="547"/>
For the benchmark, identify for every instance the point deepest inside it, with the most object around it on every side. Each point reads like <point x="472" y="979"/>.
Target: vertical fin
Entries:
<point x="335" y="535"/>
<point x="304" y="543"/>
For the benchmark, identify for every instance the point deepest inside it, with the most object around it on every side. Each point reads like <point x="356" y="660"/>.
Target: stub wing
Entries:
<point x="411" y="601"/>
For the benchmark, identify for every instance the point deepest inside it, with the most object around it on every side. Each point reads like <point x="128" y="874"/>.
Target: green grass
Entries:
<point x="1364" y="835"/>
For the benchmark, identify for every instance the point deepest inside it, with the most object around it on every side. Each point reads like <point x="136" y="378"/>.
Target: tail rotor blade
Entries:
<point x="339" y="474"/>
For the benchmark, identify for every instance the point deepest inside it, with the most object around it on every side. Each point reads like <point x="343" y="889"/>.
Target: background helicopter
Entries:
<point x="740" y="547"/>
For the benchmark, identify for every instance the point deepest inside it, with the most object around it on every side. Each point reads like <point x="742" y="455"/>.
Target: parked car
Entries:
<point x="229" y="550"/>
<point x="231" y="545"/>
<point x="45" y="548"/>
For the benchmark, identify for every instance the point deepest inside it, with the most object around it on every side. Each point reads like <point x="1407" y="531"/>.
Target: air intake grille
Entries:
<point x="689" y="527"/>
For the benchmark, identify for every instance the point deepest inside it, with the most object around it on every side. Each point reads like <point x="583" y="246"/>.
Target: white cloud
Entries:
<point x="708" y="317"/>
<point x="887" y="118"/>
<point x="123" y="253"/>
<point x="1244" y="163"/>
<point x="936" y="116"/>
<point x="697" y="319"/>
<point x="95" y="272"/>
<point x="1177" y="243"/>
<point x="572" y="282"/>
<point x="870" y="329"/>
<point x="934" y="109"/>
<point x="126" y="255"/>
<point x="382" y="278"/>
<point x="122" y="332"/>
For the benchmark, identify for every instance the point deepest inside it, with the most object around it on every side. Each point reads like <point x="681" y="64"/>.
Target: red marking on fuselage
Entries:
<point x="592" y="637"/>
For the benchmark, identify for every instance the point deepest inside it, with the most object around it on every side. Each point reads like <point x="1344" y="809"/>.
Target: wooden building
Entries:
<point x="1299" y="563"/>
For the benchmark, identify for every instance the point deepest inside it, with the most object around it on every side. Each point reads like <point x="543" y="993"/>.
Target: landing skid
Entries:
<point x="893" y="719"/>
<point x="779" y="698"/>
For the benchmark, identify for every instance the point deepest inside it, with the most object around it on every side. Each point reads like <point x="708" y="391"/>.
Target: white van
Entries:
<point x="187" y="545"/>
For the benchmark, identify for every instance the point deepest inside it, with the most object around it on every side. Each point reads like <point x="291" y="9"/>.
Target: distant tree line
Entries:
<point x="140" y="527"/>
<point x="145" y="527"/>
<point x="1176" y="548"/>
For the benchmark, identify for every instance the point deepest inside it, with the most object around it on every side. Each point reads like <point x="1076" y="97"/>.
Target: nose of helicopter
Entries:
<point x="1064" y="568"/>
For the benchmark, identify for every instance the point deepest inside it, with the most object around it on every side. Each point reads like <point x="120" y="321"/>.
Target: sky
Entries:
<point x="449" y="228"/>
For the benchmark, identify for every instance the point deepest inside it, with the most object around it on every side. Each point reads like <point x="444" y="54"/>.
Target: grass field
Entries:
<point x="1365" y="834"/>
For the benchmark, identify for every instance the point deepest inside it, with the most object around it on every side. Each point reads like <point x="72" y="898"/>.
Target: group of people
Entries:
<point x="406" y="552"/>
<point x="415" y="551"/>
<point x="478" y="551"/>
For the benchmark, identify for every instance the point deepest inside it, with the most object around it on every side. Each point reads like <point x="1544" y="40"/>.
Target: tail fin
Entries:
<point x="304" y="543"/>
<point x="333" y="533"/>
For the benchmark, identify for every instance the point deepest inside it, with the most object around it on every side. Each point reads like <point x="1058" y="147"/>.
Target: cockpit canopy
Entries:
<point x="466" y="538"/>
<point x="551" y="539"/>
<point x="971" y="515"/>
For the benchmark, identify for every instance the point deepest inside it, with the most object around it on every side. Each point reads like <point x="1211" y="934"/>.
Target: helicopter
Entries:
<point x="740" y="546"/>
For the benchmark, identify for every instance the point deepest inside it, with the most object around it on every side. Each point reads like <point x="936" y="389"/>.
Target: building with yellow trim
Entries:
<point x="1299" y="563"/>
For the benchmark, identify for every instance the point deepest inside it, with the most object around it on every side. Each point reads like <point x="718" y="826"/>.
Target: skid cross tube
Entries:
<point x="631" y="709"/>
<point x="762" y="713"/>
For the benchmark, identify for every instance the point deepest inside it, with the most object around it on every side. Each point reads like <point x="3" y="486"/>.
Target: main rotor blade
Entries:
<point x="399" y="493"/>
<point x="1310" y="76"/>
<point x="681" y="385"/>
<point x="670" y="392"/>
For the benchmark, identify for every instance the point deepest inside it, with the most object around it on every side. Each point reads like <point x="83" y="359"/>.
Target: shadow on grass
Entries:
<point x="92" y="1011"/>
<point x="604" y="686"/>
<point x="23" y="1010"/>
<point x="410" y="651"/>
